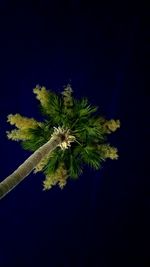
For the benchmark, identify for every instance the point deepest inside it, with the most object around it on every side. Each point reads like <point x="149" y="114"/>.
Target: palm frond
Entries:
<point x="53" y="109"/>
<point x="58" y="177"/>
<point x="91" y="157"/>
<point x="75" y="166"/>
<point x="87" y="111"/>
<point x="83" y="109"/>
<point x="50" y="103"/>
<point x="32" y="144"/>
<point x="53" y="162"/>
<point x="39" y="136"/>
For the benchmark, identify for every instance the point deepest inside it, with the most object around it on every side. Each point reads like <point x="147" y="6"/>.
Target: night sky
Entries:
<point x="103" y="218"/>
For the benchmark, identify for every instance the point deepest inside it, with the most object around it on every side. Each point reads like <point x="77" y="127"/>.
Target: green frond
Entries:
<point x="91" y="157"/>
<point x="87" y="111"/>
<point x="53" y="109"/>
<point x="39" y="136"/>
<point x="71" y="160"/>
<point x="58" y="177"/>
<point x="91" y="129"/>
<point x="50" y="103"/>
<point x="74" y="166"/>
<point x="83" y="109"/>
<point x="53" y="162"/>
<point x="81" y="103"/>
<point x="32" y="144"/>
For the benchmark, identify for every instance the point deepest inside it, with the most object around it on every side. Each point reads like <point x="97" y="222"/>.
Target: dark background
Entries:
<point x="102" y="219"/>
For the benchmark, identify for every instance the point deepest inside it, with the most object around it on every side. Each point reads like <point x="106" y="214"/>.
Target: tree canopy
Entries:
<point x="82" y="119"/>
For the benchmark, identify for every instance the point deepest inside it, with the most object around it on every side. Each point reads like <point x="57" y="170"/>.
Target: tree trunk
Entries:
<point x="29" y="164"/>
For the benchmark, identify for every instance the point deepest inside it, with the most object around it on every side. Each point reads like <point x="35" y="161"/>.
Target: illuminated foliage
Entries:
<point x="87" y="130"/>
<point x="59" y="176"/>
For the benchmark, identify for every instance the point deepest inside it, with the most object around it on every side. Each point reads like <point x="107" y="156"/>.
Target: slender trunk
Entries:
<point x="29" y="164"/>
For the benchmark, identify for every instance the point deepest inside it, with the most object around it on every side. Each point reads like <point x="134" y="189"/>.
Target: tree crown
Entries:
<point x="88" y="128"/>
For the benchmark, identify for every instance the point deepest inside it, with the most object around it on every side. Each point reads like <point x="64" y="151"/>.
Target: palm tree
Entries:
<point x="71" y="135"/>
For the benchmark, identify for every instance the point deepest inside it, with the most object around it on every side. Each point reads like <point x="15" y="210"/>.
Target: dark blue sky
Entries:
<point x="101" y="219"/>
